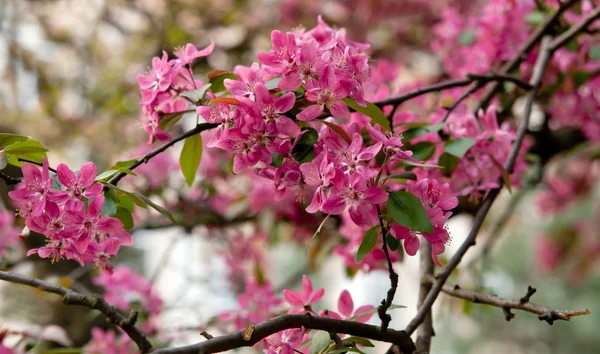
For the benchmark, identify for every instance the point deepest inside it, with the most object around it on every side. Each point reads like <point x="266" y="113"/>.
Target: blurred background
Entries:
<point x="68" y="71"/>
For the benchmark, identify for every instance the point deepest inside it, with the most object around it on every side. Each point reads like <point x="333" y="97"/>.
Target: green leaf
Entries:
<point x="169" y="120"/>
<point x="392" y="242"/>
<point x="126" y="203"/>
<point x="338" y="130"/>
<point x="109" y="173"/>
<point x="198" y="94"/>
<point x="368" y="242"/>
<point x="423" y="151"/>
<point x="467" y="37"/>
<point x="320" y="340"/>
<point x="7" y="139"/>
<point x="277" y="159"/>
<point x="535" y="18"/>
<point x="125" y="216"/>
<point x="122" y="164"/>
<point x="418" y="164"/>
<point x="458" y="147"/>
<point x="360" y="341"/>
<point x="374" y="310"/>
<point x="304" y="150"/>
<point x="189" y="160"/>
<point x="157" y="207"/>
<point x="120" y="192"/>
<point x="449" y="163"/>
<point x="406" y="209"/>
<point x="217" y="80"/>
<point x="63" y="351"/>
<point x="272" y="84"/>
<point x="110" y="204"/>
<point x="594" y="52"/>
<point x="370" y="110"/>
<point x="416" y="132"/>
<point x="25" y="147"/>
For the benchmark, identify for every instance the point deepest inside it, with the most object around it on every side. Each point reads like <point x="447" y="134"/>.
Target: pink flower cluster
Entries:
<point x="68" y="212"/>
<point x="160" y="87"/>
<point x="437" y="200"/>
<point x="125" y="288"/>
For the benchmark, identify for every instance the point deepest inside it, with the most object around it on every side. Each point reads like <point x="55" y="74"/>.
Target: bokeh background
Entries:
<point x="68" y="78"/>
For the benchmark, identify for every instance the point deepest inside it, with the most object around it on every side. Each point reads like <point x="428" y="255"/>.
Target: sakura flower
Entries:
<point x="34" y="187"/>
<point x="272" y="109"/>
<point x="79" y="185"/>
<point x="352" y="193"/>
<point x="188" y="53"/>
<point x="158" y="79"/>
<point x="328" y="91"/>
<point x="284" y="342"/>
<point x="319" y="176"/>
<point x="304" y="299"/>
<point x="346" y="309"/>
<point x="283" y="54"/>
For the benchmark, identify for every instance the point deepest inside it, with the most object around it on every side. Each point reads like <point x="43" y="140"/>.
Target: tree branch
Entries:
<point x="425" y="331"/>
<point x="535" y="81"/>
<point x="387" y="302"/>
<point x="8" y="179"/>
<point x="544" y="313"/>
<point x="96" y="302"/>
<point x="144" y="159"/>
<point x="281" y="323"/>
<point x="574" y="30"/>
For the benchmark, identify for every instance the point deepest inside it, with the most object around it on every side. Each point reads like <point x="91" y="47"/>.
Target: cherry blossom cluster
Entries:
<point x="163" y="82"/>
<point x="67" y="210"/>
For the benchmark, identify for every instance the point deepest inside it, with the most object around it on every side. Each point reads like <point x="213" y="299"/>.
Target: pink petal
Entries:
<point x="93" y="191"/>
<point x="263" y="96"/>
<point x="95" y="206"/>
<point x="109" y="224"/>
<point x="411" y="245"/>
<point x="310" y="173"/>
<point x="290" y="82"/>
<point x="87" y="174"/>
<point x="285" y="102"/>
<point x="364" y="309"/>
<point x="335" y="205"/>
<point x="339" y="110"/>
<point x="307" y="287"/>
<point x="374" y="195"/>
<point x="345" y="304"/>
<point x="316" y="296"/>
<point x="65" y="175"/>
<point x="370" y="152"/>
<point x="310" y="112"/>
<point x="292" y="298"/>
<point x="287" y="127"/>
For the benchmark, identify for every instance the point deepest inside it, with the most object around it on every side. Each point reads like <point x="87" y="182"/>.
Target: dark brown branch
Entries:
<point x="387" y="302"/>
<point x="425" y="331"/>
<point x="575" y="30"/>
<point x="544" y="313"/>
<point x="281" y="323"/>
<point x="37" y="164"/>
<point x="535" y="81"/>
<point x="9" y="180"/>
<point x="96" y="302"/>
<point x="462" y="97"/>
<point x="144" y="159"/>
<point x="521" y="55"/>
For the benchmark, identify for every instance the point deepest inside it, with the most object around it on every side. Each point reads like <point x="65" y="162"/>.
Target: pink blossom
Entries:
<point x="34" y="187"/>
<point x="328" y="91"/>
<point x="346" y="309"/>
<point x="284" y="342"/>
<point x="304" y="299"/>
<point x="188" y="53"/>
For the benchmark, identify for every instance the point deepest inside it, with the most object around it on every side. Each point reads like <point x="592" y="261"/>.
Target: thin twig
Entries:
<point x="464" y="96"/>
<point x="37" y="164"/>
<point x="96" y="302"/>
<point x="535" y="81"/>
<point x="281" y="323"/>
<point x="387" y="302"/>
<point x="544" y="313"/>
